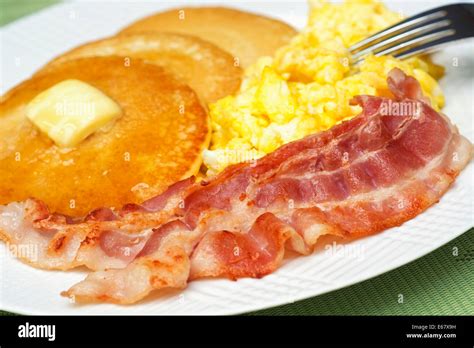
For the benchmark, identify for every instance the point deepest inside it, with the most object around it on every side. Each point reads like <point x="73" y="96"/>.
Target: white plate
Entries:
<point x="30" y="42"/>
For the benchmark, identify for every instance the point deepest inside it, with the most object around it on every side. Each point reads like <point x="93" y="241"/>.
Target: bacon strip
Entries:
<point x="373" y="172"/>
<point x="101" y="240"/>
<point x="166" y="266"/>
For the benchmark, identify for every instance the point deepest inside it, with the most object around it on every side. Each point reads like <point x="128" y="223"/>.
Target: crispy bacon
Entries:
<point x="373" y="172"/>
<point x="103" y="239"/>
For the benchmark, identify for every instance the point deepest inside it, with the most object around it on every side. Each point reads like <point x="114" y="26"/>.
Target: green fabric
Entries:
<point x="13" y="9"/>
<point x="437" y="284"/>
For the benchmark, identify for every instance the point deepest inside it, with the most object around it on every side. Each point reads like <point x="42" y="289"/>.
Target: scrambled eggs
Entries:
<point x="307" y="85"/>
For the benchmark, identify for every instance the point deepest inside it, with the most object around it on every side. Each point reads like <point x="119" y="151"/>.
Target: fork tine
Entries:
<point x="415" y="45"/>
<point x="402" y="26"/>
<point x="426" y="47"/>
<point x="382" y="45"/>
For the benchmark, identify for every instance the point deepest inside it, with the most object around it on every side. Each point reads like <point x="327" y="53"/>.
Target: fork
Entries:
<point x="422" y="33"/>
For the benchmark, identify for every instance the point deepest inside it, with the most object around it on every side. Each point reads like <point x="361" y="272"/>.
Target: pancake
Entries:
<point x="157" y="140"/>
<point x="206" y="68"/>
<point x="245" y="35"/>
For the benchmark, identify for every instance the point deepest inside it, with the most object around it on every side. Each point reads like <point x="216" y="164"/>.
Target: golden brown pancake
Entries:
<point x="245" y="35"/>
<point x="157" y="140"/>
<point x="206" y="68"/>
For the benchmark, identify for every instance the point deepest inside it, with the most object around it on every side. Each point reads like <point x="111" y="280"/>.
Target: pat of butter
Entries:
<point x="70" y="111"/>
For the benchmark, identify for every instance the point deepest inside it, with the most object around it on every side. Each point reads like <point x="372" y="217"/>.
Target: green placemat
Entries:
<point x="14" y="9"/>
<point x="441" y="283"/>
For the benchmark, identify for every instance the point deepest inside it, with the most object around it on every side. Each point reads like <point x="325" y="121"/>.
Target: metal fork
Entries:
<point x="419" y="34"/>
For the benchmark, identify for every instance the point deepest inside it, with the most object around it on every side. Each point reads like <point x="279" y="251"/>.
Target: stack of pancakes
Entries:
<point x="162" y="71"/>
